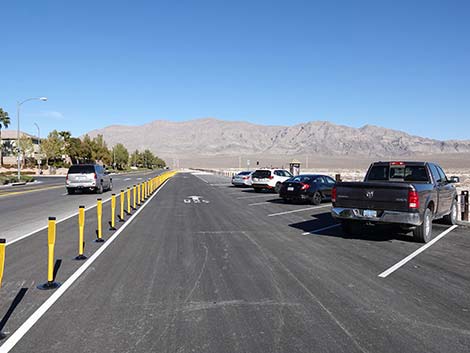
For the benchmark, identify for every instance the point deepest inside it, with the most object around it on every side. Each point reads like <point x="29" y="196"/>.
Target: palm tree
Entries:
<point x="4" y="123"/>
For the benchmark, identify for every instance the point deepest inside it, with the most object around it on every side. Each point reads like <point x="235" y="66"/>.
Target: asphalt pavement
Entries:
<point x="206" y="267"/>
<point x="26" y="208"/>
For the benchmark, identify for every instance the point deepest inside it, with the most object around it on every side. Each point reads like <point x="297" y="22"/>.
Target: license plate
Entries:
<point x="370" y="213"/>
<point x="290" y="188"/>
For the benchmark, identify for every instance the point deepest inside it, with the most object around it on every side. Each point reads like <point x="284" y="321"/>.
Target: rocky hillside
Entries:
<point x="218" y="137"/>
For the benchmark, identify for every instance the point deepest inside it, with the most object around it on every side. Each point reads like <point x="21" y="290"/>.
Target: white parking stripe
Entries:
<point x="300" y="210"/>
<point x="29" y="323"/>
<point x="321" y="229"/>
<point x="260" y="203"/>
<point x="417" y="252"/>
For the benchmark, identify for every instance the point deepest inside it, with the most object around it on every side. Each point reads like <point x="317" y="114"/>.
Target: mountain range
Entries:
<point x="213" y="137"/>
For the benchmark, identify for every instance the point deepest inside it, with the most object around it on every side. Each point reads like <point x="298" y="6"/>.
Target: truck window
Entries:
<point x="378" y="172"/>
<point x="435" y="173"/>
<point x="412" y="173"/>
<point x="441" y="173"/>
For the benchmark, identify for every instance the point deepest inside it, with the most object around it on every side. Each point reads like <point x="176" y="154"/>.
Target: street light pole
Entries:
<point x="18" y="107"/>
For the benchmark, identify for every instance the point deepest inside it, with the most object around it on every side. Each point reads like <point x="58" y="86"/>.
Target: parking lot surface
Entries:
<point x="207" y="267"/>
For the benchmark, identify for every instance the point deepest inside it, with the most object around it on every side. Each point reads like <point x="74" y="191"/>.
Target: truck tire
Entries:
<point x="423" y="233"/>
<point x="451" y="218"/>
<point x="351" y="227"/>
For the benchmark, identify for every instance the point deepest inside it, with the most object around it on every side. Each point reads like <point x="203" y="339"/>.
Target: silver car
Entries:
<point x="92" y="177"/>
<point x="242" y="179"/>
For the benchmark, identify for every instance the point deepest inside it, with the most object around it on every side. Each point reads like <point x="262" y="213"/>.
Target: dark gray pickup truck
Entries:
<point x="408" y="194"/>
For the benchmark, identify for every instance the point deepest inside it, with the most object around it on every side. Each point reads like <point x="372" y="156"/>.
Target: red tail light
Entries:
<point x="245" y="178"/>
<point x="304" y="186"/>
<point x="397" y="163"/>
<point x="67" y="178"/>
<point x="413" y="199"/>
<point x="333" y="194"/>
<point x="271" y="177"/>
<point x="96" y="176"/>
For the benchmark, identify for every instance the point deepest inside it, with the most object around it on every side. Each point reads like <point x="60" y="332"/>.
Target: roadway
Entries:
<point x="236" y="271"/>
<point x="26" y="208"/>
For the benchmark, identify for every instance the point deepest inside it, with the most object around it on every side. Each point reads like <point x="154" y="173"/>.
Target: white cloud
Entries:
<point x="51" y="114"/>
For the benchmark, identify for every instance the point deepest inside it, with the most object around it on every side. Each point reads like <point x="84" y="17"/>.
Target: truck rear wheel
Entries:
<point x="451" y="218"/>
<point x="351" y="227"/>
<point x="423" y="233"/>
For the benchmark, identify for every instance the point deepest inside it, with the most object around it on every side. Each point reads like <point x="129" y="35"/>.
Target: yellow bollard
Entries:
<point x="128" y="201"/>
<point x="81" y="231"/>
<point x="112" y="225"/>
<point x="121" y="204"/>
<point x="50" y="284"/>
<point x="99" y="216"/>
<point x="2" y="259"/>
<point x="139" y="194"/>
<point x="134" y="191"/>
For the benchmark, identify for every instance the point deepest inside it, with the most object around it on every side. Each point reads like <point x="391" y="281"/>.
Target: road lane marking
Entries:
<point x="58" y="221"/>
<point x="29" y="323"/>
<point x="260" y="203"/>
<point x="321" y="229"/>
<point x="416" y="253"/>
<point x="252" y="197"/>
<point x="4" y="194"/>
<point x="300" y="210"/>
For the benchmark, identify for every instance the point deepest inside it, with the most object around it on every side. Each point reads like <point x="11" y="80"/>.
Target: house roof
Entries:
<point x="11" y="135"/>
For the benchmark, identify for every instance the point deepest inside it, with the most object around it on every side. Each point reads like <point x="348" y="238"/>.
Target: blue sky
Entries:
<point x="397" y="64"/>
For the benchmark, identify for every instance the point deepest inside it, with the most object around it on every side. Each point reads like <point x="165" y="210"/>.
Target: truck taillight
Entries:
<point x="413" y="199"/>
<point x="305" y="186"/>
<point x="333" y="194"/>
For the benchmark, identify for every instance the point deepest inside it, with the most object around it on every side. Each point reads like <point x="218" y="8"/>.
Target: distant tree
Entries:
<point x="26" y="147"/>
<point x="52" y="146"/>
<point x="121" y="156"/>
<point x="4" y="123"/>
<point x="87" y="148"/>
<point x="100" y="151"/>
<point x="135" y="158"/>
<point x="75" y="150"/>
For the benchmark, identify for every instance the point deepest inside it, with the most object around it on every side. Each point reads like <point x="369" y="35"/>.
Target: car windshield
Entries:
<point x="302" y="179"/>
<point x="398" y="173"/>
<point x="244" y="173"/>
<point x="81" y="169"/>
<point x="262" y="174"/>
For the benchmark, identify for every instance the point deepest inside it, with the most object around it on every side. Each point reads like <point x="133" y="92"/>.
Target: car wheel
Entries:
<point x="99" y="190"/>
<point x="257" y="190"/>
<point x="351" y="227"/>
<point x="110" y="185"/>
<point x="277" y="188"/>
<point x="70" y="191"/>
<point x="423" y="233"/>
<point x="451" y="218"/>
<point x="316" y="198"/>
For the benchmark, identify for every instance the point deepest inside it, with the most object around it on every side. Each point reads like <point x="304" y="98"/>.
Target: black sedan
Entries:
<point x="308" y="187"/>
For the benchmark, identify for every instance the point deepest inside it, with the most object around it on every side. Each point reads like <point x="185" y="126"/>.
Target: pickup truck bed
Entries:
<point x="408" y="194"/>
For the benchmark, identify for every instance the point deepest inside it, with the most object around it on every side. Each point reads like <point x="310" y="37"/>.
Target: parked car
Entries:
<point x="242" y="178"/>
<point x="91" y="177"/>
<point x="269" y="179"/>
<point x="308" y="187"/>
<point x="408" y="194"/>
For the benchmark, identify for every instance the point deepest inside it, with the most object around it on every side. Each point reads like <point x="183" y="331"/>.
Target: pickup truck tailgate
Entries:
<point x="373" y="196"/>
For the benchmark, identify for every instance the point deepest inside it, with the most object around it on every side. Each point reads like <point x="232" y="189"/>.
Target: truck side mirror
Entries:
<point x="454" y="179"/>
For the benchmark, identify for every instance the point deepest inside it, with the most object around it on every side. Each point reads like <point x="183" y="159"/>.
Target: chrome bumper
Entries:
<point x="386" y="216"/>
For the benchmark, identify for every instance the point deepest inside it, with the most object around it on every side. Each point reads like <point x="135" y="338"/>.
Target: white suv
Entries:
<point x="269" y="179"/>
